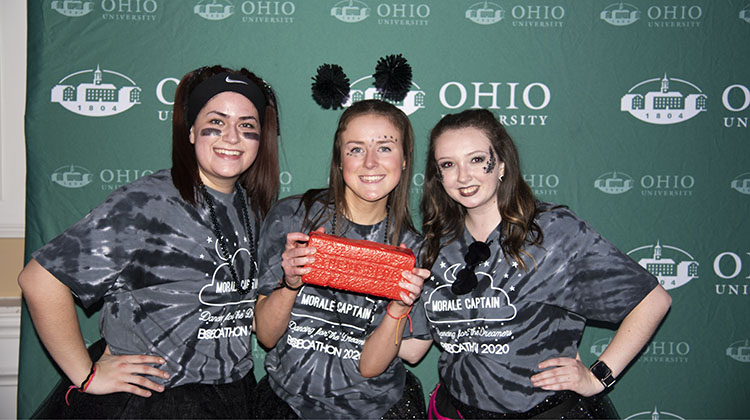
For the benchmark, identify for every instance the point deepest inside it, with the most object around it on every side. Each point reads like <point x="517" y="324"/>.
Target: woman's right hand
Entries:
<point x="296" y="256"/>
<point x="125" y="374"/>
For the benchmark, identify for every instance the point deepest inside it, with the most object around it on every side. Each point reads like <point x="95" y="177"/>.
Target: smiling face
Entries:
<point x="226" y="135"/>
<point x="372" y="159"/>
<point x="469" y="168"/>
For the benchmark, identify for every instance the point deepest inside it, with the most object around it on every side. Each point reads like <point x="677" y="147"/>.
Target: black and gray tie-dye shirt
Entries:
<point x="493" y="338"/>
<point x="315" y="365"/>
<point x="154" y="261"/>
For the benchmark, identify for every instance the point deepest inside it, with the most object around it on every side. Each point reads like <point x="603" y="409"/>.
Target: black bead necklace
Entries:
<point x="375" y="302"/>
<point x="220" y="237"/>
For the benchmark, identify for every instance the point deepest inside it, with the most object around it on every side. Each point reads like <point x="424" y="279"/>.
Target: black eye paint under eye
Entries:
<point x="210" y="132"/>
<point x="251" y="136"/>
<point x="491" y="162"/>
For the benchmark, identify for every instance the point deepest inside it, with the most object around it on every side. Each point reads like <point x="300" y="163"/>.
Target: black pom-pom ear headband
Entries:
<point x="330" y="87"/>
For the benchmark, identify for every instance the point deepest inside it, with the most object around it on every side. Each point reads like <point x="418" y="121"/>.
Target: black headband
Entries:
<point x="224" y="82"/>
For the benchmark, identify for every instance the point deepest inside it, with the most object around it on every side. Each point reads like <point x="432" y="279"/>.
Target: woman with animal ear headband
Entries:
<point x="173" y="258"/>
<point x="514" y="281"/>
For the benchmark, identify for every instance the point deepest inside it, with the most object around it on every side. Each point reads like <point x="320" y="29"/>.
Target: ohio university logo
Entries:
<point x="664" y="101"/>
<point x="741" y="183"/>
<point x="72" y="8"/>
<point x="655" y="414"/>
<point x="92" y="93"/>
<point x="745" y="13"/>
<point x="614" y="183"/>
<point x="363" y="89"/>
<point x="485" y="13"/>
<point x="214" y="9"/>
<point x="620" y="14"/>
<point x="739" y="351"/>
<point x="350" y="11"/>
<point x="72" y="176"/>
<point x="673" y="270"/>
<point x="664" y="352"/>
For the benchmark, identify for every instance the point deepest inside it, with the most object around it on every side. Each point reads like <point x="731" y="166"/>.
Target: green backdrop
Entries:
<point x="634" y="114"/>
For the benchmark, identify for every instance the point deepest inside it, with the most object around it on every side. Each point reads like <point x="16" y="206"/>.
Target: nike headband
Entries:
<point x="224" y="82"/>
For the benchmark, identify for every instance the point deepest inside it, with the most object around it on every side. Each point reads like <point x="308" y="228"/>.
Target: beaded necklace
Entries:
<point x="375" y="302"/>
<point x="223" y="247"/>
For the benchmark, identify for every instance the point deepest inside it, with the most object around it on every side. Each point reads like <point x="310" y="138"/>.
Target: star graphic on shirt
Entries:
<point x="202" y="256"/>
<point x="244" y="238"/>
<point x="486" y="263"/>
<point x="512" y="288"/>
<point x="236" y="233"/>
<point x="209" y="240"/>
<point x="442" y="264"/>
<point x="515" y="264"/>
<point x="506" y="275"/>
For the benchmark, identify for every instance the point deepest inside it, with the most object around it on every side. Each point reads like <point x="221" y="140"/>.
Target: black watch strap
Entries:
<point x="603" y="373"/>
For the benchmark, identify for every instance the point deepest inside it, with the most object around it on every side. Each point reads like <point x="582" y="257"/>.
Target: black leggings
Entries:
<point x="192" y="401"/>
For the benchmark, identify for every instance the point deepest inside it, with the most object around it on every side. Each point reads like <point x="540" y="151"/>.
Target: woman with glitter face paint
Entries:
<point x="316" y="335"/>
<point x="172" y="256"/>
<point x="514" y="281"/>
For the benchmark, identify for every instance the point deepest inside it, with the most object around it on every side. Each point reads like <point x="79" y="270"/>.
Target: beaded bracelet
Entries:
<point x="84" y="385"/>
<point x="399" y="318"/>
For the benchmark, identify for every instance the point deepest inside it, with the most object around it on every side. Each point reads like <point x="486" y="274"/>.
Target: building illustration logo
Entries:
<point x="72" y="176"/>
<point x="620" y="14"/>
<point x="95" y="98"/>
<point x="73" y="8"/>
<point x="745" y="14"/>
<point x="350" y="11"/>
<point x="214" y="9"/>
<point x="655" y="414"/>
<point x="485" y="13"/>
<point x="614" y="183"/>
<point x="739" y="351"/>
<point x="664" y="105"/>
<point x="673" y="270"/>
<point x="741" y="183"/>
<point x="363" y="89"/>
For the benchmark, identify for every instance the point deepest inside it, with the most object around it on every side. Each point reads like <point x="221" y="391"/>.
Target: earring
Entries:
<point x="501" y="178"/>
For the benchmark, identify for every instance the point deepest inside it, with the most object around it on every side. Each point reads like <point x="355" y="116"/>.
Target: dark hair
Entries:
<point x="444" y="218"/>
<point x="261" y="180"/>
<point x="400" y="217"/>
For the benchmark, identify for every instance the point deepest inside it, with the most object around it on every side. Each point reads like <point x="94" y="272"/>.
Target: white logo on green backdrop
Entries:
<point x="350" y="11"/>
<point x="214" y="9"/>
<point x="664" y="101"/>
<point x="741" y="183"/>
<point x="90" y="93"/>
<point x="72" y="8"/>
<point x="656" y="414"/>
<point x="673" y="270"/>
<point x="620" y="14"/>
<point x="614" y="183"/>
<point x="363" y="89"/>
<point x="72" y="176"/>
<point x="745" y="14"/>
<point x="485" y="13"/>
<point x="598" y="347"/>
<point x="543" y="184"/>
<point x="674" y="16"/>
<point x="739" y="351"/>
<point x="537" y="16"/>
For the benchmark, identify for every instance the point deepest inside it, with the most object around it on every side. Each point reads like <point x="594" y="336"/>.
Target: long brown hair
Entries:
<point x="261" y="180"/>
<point x="398" y="200"/>
<point x="443" y="217"/>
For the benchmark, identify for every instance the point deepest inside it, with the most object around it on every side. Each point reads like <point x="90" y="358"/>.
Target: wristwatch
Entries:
<point x="603" y="373"/>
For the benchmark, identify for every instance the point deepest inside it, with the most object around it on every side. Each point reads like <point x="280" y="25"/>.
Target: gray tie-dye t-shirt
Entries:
<point x="314" y="367"/>
<point x="154" y="262"/>
<point x="493" y="338"/>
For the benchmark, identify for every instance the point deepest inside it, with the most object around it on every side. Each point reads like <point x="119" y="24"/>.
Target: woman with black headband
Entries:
<point x="514" y="282"/>
<point x="173" y="259"/>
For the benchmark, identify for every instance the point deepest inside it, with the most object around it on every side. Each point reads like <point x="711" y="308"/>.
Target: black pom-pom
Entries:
<point x="330" y="87"/>
<point x="393" y="77"/>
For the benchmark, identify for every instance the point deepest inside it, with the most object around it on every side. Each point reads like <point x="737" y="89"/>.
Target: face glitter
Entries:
<point x="491" y="162"/>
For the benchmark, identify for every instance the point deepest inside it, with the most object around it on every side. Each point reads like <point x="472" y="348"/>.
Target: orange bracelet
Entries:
<point x="399" y="318"/>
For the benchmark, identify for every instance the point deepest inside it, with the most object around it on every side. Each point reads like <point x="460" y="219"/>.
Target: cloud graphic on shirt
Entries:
<point x="496" y="307"/>
<point x="221" y="293"/>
